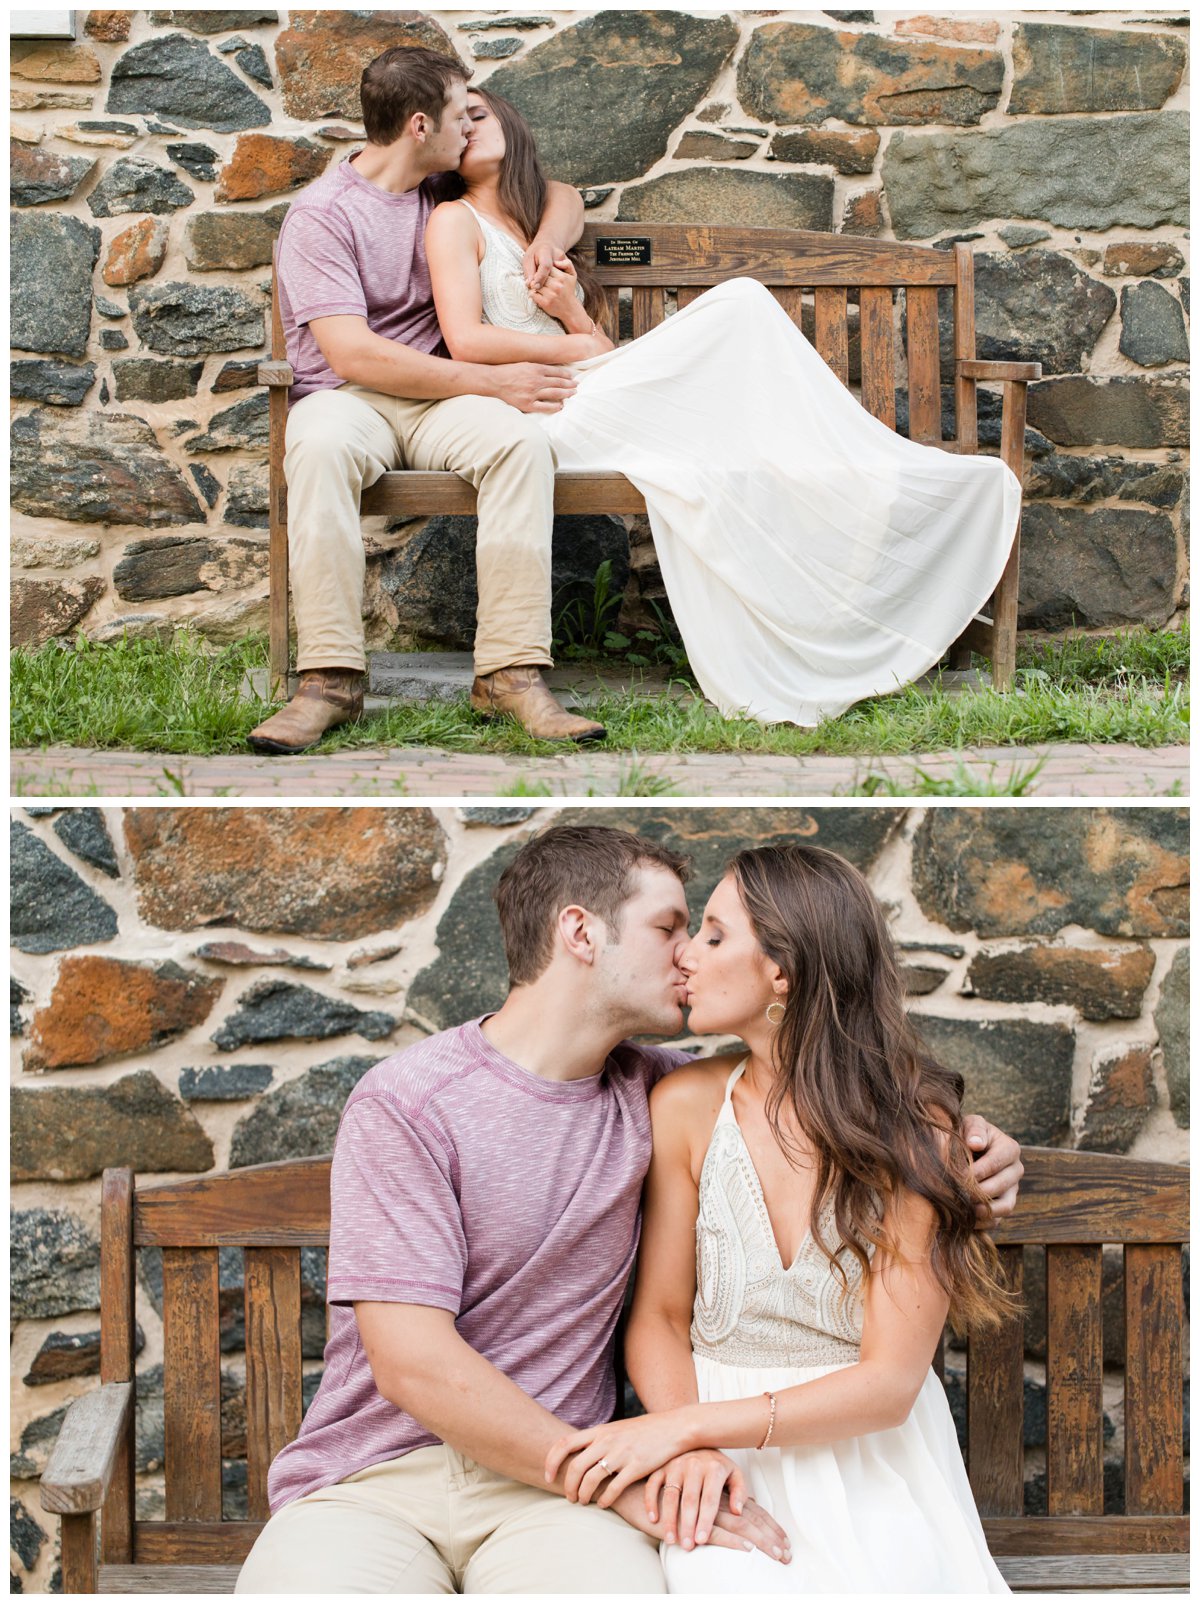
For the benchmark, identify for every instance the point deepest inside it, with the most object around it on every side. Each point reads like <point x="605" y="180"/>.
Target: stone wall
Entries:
<point x="200" y="988"/>
<point x="153" y="160"/>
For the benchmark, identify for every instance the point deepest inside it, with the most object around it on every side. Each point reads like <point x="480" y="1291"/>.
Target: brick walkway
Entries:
<point x="1068" y="771"/>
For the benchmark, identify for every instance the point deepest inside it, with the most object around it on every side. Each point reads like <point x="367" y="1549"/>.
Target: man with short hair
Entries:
<point x="374" y="390"/>
<point x="485" y="1214"/>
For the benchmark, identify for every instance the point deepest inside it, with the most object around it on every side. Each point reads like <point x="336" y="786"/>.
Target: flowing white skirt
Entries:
<point x="812" y="556"/>
<point x="891" y="1512"/>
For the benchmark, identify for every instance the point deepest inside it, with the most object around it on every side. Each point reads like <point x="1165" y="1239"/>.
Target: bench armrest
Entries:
<point x="81" y="1466"/>
<point x="276" y="374"/>
<point x="1021" y="372"/>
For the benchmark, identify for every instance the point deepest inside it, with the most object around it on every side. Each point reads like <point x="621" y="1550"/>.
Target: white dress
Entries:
<point x="888" y="1512"/>
<point x="812" y="556"/>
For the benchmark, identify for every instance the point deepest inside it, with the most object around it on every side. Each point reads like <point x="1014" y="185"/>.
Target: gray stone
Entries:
<point x="85" y="833"/>
<point x="97" y="469"/>
<point x="732" y="198"/>
<point x="72" y="1133"/>
<point x="113" y="340"/>
<point x="279" y="1010"/>
<point x="51" y="908"/>
<point x="518" y="24"/>
<point x="699" y="144"/>
<point x="36" y="176"/>
<point x="40" y="551"/>
<point x="136" y="626"/>
<point x="195" y="319"/>
<point x="212" y="21"/>
<point x="253" y="62"/>
<point x="470" y="976"/>
<point x="54" y="1265"/>
<point x="181" y="79"/>
<point x="249" y="501"/>
<point x="41" y="610"/>
<point x="595" y="197"/>
<point x="493" y="49"/>
<point x="1085" y="479"/>
<point x="638" y="73"/>
<point x="496" y="816"/>
<point x="794" y="72"/>
<point x="17" y="998"/>
<point x="37" y="1444"/>
<point x="232" y="242"/>
<point x="847" y="152"/>
<point x="144" y="379"/>
<point x="1017" y="235"/>
<point x="66" y="1354"/>
<point x="1092" y="568"/>
<point x="299" y="1120"/>
<point x="921" y="979"/>
<point x="215" y="1083"/>
<point x="1152" y="327"/>
<point x="420" y="676"/>
<point x="1036" y="307"/>
<point x="236" y="376"/>
<point x="1016" y="1072"/>
<point x="431" y="578"/>
<point x="207" y="483"/>
<point x="1171" y="1022"/>
<point x="238" y="955"/>
<point x="241" y="427"/>
<point x="60" y="384"/>
<point x="25" y="1537"/>
<point x="199" y="160"/>
<point x="183" y="565"/>
<point x="1088" y="172"/>
<point x="110" y="308"/>
<point x="1059" y="69"/>
<point x="1008" y="872"/>
<point x="1123" y="411"/>
<point x="136" y="184"/>
<point x="48" y="249"/>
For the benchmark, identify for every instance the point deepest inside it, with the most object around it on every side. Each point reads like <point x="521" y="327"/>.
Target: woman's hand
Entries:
<point x="608" y="1459"/>
<point x="558" y="298"/>
<point x="686" y="1494"/>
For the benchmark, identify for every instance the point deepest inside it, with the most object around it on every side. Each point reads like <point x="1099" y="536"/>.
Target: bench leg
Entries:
<point x="278" y="618"/>
<point x="79" y="1553"/>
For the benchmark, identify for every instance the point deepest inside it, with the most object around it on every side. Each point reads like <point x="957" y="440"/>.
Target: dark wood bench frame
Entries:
<point x="1071" y="1203"/>
<point x="687" y="261"/>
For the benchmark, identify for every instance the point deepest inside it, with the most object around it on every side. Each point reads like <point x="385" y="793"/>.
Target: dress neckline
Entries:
<point x="486" y="222"/>
<point x="760" y="1195"/>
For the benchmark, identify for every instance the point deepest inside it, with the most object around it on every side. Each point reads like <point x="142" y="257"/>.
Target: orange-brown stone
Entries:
<point x="959" y="29"/>
<point x="103" y="1007"/>
<point x="111" y="26"/>
<point x="137" y="252"/>
<point x="863" y="214"/>
<point x="320" y="56"/>
<point x="334" y="873"/>
<point x="265" y="165"/>
<point x="1101" y="982"/>
<point x="56" y="64"/>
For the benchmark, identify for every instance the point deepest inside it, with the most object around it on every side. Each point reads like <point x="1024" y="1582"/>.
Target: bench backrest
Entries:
<point x="1072" y="1204"/>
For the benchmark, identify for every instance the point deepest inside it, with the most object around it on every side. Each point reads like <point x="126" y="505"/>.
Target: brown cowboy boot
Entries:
<point x="523" y="692"/>
<point x="326" y="697"/>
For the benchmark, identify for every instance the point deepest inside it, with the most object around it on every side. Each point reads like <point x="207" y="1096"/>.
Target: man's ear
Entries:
<point x="575" y="930"/>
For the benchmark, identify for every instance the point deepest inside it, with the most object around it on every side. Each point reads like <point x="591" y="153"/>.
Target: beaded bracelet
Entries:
<point x="771" y="1422"/>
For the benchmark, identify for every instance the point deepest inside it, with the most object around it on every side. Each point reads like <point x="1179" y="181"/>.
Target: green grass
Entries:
<point x="181" y="698"/>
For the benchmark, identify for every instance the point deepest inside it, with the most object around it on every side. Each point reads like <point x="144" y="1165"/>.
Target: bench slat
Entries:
<point x="832" y="337"/>
<point x="792" y="302"/>
<point x="214" y="1542"/>
<point x="1077" y="1573"/>
<point x="411" y="494"/>
<point x="273" y="1401"/>
<point x="924" y="376"/>
<point x="687" y="293"/>
<point x="1154" y="1315"/>
<point x="966" y="423"/>
<point x="1096" y="1197"/>
<point x="995" y="1407"/>
<point x="265" y="1205"/>
<point x="1074" y="1382"/>
<point x="878" y="354"/>
<point x="118" y="1327"/>
<point x="1086" y="1534"/>
<point x="683" y="253"/>
<point x="648" y="310"/>
<point x="192" y="1384"/>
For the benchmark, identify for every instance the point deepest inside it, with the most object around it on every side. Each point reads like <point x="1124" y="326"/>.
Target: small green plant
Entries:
<point x="963" y="781"/>
<point x="581" y="628"/>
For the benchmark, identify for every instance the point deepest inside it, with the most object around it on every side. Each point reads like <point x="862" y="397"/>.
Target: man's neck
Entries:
<point x="396" y="168"/>
<point x="544" y="1033"/>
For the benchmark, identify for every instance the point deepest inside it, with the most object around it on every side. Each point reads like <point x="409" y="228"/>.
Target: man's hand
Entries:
<point x="751" y="1529"/>
<point x="532" y="386"/>
<point x="996" y="1166"/>
<point x="539" y="259"/>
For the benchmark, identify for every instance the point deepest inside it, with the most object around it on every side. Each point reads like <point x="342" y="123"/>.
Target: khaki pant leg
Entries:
<point x="506" y="455"/>
<point x="337" y="443"/>
<point x="540" y="1543"/>
<point x="382" y="1530"/>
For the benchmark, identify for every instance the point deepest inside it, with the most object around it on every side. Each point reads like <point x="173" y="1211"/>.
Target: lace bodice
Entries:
<point x="749" y="1310"/>
<point x="506" y="301"/>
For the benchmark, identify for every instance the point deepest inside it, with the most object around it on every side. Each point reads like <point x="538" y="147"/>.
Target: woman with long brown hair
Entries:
<point x="811" y="555"/>
<point x="809" y="1222"/>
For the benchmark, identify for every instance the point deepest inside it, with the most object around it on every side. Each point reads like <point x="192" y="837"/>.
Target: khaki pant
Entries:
<point x="434" y="1522"/>
<point x="339" y="441"/>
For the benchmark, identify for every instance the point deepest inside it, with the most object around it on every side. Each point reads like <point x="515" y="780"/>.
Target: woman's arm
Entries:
<point x="904" y="1311"/>
<point x="452" y="248"/>
<point x="560" y="227"/>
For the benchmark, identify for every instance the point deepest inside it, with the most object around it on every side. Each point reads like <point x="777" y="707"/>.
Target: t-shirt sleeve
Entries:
<point x="659" y="1061"/>
<point x="318" y="266"/>
<point x="396" y="1232"/>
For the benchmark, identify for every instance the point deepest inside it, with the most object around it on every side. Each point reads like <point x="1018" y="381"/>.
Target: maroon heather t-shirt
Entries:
<point x="347" y="246"/>
<point x="463" y="1182"/>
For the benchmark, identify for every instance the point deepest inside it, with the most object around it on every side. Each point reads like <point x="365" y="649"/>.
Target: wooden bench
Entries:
<point x="1071" y="1203"/>
<point x="793" y="265"/>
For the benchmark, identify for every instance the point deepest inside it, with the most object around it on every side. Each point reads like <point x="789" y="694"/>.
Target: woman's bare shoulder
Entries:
<point x="694" y="1089"/>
